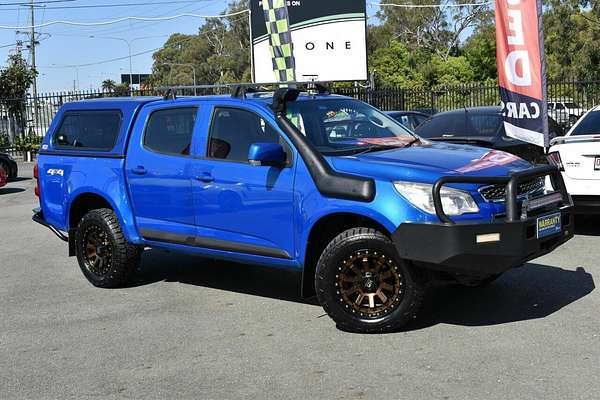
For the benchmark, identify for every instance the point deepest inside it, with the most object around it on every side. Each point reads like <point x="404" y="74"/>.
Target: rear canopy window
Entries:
<point x="88" y="130"/>
<point x="170" y="131"/>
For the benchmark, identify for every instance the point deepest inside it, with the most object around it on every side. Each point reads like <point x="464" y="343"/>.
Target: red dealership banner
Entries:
<point x="521" y="70"/>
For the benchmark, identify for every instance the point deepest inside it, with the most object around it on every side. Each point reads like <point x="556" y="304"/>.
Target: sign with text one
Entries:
<point x="521" y="70"/>
<point x="327" y="40"/>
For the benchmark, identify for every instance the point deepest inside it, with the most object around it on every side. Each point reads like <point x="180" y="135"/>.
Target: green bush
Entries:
<point x="30" y="142"/>
<point x="4" y="142"/>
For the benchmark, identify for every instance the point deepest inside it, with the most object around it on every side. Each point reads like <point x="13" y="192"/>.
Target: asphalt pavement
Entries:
<point x="191" y="328"/>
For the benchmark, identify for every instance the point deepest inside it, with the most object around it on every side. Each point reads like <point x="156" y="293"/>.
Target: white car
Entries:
<point x="577" y="154"/>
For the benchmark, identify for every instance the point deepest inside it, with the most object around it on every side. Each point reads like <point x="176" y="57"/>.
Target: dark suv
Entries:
<point x="481" y="126"/>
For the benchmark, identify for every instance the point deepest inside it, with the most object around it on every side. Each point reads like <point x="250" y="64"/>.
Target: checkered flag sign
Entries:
<point x="280" y="39"/>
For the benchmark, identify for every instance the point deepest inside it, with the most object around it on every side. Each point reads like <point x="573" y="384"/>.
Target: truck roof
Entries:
<point x="129" y="106"/>
<point x="260" y="97"/>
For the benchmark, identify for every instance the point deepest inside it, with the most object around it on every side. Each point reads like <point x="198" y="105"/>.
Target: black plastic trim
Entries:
<point x="38" y="217"/>
<point x="214" y="244"/>
<point x="456" y="249"/>
<point x="329" y="182"/>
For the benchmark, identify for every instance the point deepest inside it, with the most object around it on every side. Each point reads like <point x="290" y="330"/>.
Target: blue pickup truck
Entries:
<point x="323" y="184"/>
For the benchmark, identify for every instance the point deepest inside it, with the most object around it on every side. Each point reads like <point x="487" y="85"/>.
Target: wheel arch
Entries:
<point x="86" y="200"/>
<point x="84" y="203"/>
<point x="322" y="232"/>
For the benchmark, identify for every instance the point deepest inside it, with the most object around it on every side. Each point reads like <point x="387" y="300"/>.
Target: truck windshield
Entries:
<point x="337" y="126"/>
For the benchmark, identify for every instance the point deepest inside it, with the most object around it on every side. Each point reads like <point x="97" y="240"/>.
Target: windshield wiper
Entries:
<point x="377" y="147"/>
<point x="463" y="140"/>
<point x="382" y="147"/>
<point x="412" y="142"/>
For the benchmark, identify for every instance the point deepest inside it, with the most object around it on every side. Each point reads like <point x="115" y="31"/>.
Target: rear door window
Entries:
<point x="170" y="131"/>
<point x="88" y="130"/>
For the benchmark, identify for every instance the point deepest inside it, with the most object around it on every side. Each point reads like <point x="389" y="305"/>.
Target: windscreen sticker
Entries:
<point x="490" y="159"/>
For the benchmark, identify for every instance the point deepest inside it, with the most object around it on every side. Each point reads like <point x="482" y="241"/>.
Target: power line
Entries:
<point x="27" y="3"/>
<point x="102" y="23"/>
<point x="430" y="5"/>
<point x="133" y="55"/>
<point x="146" y="25"/>
<point x="109" y="5"/>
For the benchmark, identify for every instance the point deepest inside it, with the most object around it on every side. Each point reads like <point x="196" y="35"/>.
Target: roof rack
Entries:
<point x="239" y="90"/>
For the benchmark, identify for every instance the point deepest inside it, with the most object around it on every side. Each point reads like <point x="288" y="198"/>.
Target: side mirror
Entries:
<point x="267" y="154"/>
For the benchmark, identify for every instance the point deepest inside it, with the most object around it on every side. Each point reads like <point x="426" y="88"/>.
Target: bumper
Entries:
<point x="455" y="248"/>
<point x="481" y="249"/>
<point x="586" y="204"/>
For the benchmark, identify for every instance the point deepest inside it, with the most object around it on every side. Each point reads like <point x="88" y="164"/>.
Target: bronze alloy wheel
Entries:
<point x="97" y="250"/>
<point x="369" y="284"/>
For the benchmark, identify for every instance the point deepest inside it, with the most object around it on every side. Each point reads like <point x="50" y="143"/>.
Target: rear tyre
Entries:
<point x="364" y="286"/>
<point x="4" y="166"/>
<point x="106" y="259"/>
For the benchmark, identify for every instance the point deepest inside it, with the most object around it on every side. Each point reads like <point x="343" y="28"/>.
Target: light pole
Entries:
<point x="193" y="72"/>
<point x="130" y="61"/>
<point x="75" y="75"/>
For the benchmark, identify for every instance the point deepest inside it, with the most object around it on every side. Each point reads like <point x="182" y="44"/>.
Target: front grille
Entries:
<point x="497" y="193"/>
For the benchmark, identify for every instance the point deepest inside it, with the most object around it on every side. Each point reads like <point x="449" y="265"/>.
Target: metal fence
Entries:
<point x="20" y="118"/>
<point x="577" y="95"/>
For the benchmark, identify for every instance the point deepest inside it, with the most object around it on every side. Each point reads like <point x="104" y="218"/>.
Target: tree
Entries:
<point x="393" y="66"/>
<point x="122" y="90"/>
<point x="220" y="52"/>
<point x="480" y="51"/>
<point x="109" y="85"/>
<point x="15" y="81"/>
<point x="437" y="30"/>
<point x="572" y="40"/>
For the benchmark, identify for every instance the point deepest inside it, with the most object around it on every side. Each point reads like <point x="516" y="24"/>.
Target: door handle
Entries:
<point x="205" y="177"/>
<point x="139" y="170"/>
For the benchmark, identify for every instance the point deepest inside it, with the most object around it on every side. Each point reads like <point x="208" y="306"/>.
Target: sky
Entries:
<point x="63" y="47"/>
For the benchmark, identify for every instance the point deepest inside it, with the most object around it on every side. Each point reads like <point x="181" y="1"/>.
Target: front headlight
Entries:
<point x="10" y="157"/>
<point x="454" y="201"/>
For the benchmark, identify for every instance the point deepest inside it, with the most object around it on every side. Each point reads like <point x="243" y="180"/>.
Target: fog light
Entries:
<point x="488" y="238"/>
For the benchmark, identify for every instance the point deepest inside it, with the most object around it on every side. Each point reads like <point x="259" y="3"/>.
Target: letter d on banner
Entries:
<point x="521" y="70"/>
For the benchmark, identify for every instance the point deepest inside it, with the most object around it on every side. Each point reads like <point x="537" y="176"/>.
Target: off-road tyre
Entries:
<point x="372" y="251"/>
<point x="100" y="230"/>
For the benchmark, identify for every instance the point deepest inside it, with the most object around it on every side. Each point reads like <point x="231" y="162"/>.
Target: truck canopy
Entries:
<point x="121" y="110"/>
